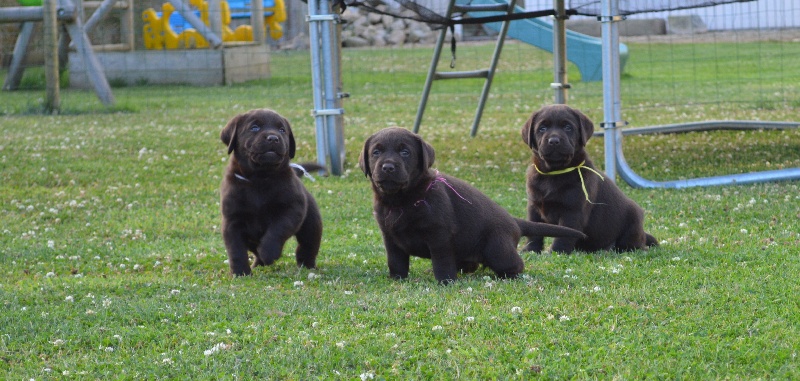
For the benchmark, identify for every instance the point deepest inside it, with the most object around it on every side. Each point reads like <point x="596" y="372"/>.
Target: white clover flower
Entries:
<point x="516" y="310"/>
<point x="51" y="244"/>
<point x="367" y="376"/>
<point x="216" y="348"/>
<point x="175" y="292"/>
<point x="298" y="283"/>
<point x="563" y="318"/>
<point x="58" y="342"/>
<point x="50" y="274"/>
<point x="69" y="298"/>
<point x="437" y="328"/>
<point x="340" y="344"/>
<point x="470" y="319"/>
<point x="743" y="231"/>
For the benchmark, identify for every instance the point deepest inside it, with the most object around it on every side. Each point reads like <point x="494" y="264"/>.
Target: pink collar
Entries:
<point x="438" y="178"/>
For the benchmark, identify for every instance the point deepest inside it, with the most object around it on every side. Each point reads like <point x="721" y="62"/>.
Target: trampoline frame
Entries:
<point x="612" y="134"/>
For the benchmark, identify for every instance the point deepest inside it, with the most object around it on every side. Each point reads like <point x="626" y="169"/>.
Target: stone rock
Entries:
<point x="396" y="37"/>
<point x="689" y="24"/>
<point x="355" y="42"/>
<point x="374" y="18"/>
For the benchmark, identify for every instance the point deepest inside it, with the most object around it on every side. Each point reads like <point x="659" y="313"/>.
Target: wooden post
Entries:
<point x="257" y="21"/>
<point x="52" y="103"/>
<point x="16" y="69"/>
<point x="93" y="68"/>
<point x="215" y="16"/>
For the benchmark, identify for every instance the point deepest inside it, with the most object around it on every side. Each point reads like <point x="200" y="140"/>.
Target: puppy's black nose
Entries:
<point x="554" y="141"/>
<point x="388" y="167"/>
<point x="273" y="138"/>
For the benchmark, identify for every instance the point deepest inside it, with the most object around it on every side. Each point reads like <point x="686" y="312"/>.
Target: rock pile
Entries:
<point x="361" y="28"/>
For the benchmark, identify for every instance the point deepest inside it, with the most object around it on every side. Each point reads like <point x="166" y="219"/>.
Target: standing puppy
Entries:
<point x="263" y="201"/>
<point x="565" y="188"/>
<point x="426" y="214"/>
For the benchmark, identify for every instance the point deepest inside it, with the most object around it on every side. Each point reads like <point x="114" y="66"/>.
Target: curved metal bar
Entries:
<point x="710" y="125"/>
<point x="636" y="181"/>
<point x="614" y="158"/>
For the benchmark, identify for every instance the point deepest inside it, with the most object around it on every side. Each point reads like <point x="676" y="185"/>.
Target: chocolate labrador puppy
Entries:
<point x="424" y="213"/>
<point x="565" y="188"/>
<point x="263" y="201"/>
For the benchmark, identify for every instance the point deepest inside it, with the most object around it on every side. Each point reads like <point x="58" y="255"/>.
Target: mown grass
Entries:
<point x="113" y="266"/>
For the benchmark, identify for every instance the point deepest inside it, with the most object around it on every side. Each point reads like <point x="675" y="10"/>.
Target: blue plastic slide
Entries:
<point x="582" y="50"/>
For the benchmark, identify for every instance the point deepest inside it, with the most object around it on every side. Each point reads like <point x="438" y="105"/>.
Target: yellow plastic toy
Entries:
<point x="160" y="29"/>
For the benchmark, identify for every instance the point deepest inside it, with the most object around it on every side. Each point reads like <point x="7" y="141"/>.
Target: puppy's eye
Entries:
<point x="376" y="152"/>
<point x="568" y="127"/>
<point x="255" y="128"/>
<point x="541" y="129"/>
<point x="282" y="130"/>
<point x="405" y="152"/>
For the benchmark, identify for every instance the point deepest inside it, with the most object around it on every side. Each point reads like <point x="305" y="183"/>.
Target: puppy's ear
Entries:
<point x="363" y="159"/>
<point x="228" y="134"/>
<point x="587" y="127"/>
<point x="426" y="154"/>
<point x="292" y="146"/>
<point x="527" y="131"/>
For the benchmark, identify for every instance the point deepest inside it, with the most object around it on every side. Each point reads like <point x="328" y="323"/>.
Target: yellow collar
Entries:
<point x="570" y="169"/>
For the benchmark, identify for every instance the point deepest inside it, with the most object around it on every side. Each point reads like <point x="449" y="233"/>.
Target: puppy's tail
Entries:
<point x="649" y="240"/>
<point x="534" y="229"/>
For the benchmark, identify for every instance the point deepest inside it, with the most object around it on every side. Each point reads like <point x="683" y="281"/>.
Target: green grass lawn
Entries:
<point x="113" y="266"/>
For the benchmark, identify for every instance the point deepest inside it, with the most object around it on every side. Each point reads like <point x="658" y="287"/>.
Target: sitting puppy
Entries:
<point x="263" y="201"/>
<point x="430" y="215"/>
<point x="565" y="188"/>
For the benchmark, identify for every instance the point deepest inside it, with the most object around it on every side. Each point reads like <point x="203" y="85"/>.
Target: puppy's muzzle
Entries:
<point x="388" y="168"/>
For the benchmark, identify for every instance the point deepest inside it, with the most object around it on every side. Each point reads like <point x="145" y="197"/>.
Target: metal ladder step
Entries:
<point x="461" y="74"/>
<point x="486" y="74"/>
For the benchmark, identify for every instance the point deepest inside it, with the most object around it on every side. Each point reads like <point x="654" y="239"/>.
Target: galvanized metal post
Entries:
<point x="609" y="16"/>
<point x="560" y="84"/>
<point x="326" y="79"/>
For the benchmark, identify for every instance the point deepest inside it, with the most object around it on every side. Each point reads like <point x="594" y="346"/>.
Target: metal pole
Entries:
<point x="326" y="75"/>
<point x="611" y="78"/>
<point x="437" y="53"/>
<point x="316" y="72"/>
<point x="330" y="94"/>
<point x="560" y="84"/>
<point x="498" y="48"/>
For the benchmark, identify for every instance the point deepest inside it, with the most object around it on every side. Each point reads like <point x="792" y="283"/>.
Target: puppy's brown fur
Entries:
<point x="557" y="136"/>
<point x="263" y="201"/>
<point x="430" y="215"/>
